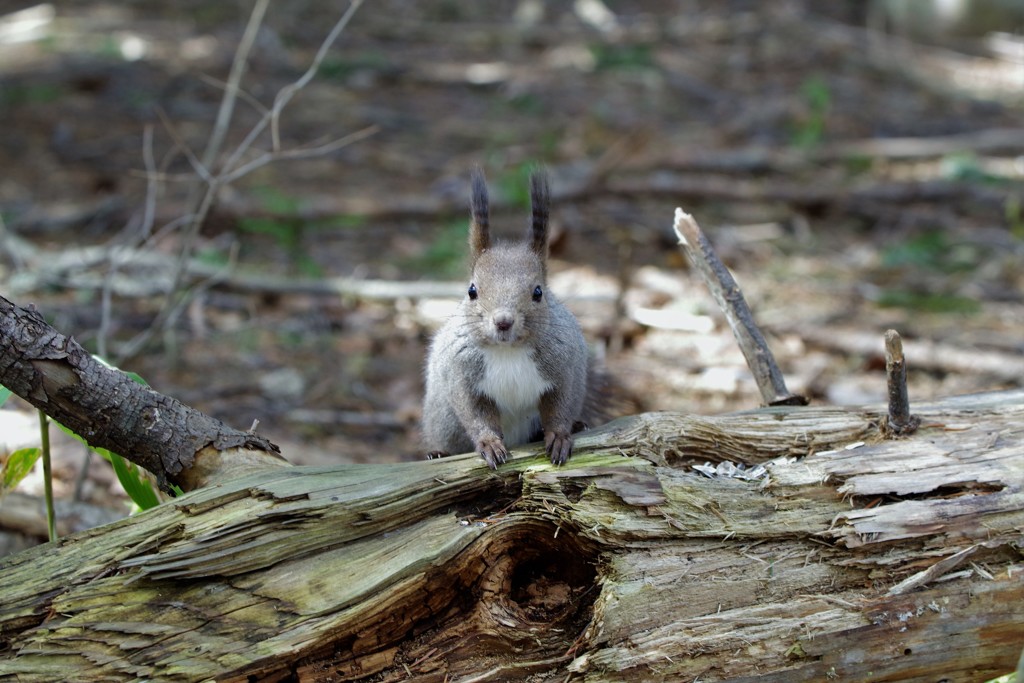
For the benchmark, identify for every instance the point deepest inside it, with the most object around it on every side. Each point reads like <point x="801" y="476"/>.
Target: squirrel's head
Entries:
<point x="507" y="288"/>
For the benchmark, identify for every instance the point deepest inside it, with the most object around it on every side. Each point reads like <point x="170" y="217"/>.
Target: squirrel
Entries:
<point x="511" y="364"/>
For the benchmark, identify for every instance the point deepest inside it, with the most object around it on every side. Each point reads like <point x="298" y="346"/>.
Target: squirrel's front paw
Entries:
<point x="492" y="450"/>
<point x="559" y="446"/>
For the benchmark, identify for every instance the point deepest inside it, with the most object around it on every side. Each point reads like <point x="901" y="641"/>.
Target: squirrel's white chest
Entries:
<point x="512" y="381"/>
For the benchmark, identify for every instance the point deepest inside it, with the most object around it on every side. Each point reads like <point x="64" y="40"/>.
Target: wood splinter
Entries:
<point x="727" y="294"/>
<point x="900" y="420"/>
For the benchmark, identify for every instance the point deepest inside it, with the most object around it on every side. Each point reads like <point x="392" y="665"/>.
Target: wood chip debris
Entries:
<point x="731" y="470"/>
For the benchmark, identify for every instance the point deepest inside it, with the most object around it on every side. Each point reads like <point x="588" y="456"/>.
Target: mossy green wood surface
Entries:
<point x="164" y="583"/>
<point x="621" y="565"/>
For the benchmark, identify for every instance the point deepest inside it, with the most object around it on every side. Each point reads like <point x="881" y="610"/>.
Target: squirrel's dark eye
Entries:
<point x="472" y="292"/>
<point x="537" y="293"/>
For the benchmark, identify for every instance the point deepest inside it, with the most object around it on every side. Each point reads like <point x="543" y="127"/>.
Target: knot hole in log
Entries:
<point x="536" y="592"/>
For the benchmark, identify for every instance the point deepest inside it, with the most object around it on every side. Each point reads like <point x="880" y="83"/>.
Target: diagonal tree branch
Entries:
<point x="178" y="444"/>
<point x="730" y="299"/>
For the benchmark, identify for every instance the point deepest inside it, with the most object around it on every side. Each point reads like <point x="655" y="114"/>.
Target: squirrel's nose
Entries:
<point x="503" y="321"/>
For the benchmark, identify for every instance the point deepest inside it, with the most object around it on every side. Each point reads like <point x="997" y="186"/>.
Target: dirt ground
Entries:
<point x="853" y="180"/>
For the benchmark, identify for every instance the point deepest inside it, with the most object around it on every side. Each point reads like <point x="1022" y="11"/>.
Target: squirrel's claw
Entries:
<point x="493" y="451"/>
<point x="559" y="446"/>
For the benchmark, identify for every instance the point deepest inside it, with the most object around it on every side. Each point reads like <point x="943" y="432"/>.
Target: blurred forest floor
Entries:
<point x="853" y="180"/>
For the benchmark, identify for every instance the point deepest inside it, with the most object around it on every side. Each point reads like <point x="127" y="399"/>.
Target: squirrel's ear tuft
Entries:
<point x="539" y="200"/>
<point x="479" y="225"/>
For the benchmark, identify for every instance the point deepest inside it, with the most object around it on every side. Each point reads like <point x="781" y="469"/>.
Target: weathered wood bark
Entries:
<point x="178" y="444"/>
<point x="891" y="561"/>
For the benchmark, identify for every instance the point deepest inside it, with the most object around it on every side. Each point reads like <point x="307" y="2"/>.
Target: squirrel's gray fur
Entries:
<point x="510" y="366"/>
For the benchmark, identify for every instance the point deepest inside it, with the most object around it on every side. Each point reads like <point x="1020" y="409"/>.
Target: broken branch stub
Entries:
<point x="900" y="420"/>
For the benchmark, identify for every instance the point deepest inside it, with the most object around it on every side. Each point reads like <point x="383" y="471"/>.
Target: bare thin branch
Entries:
<point x="173" y="302"/>
<point x="144" y="233"/>
<point x="231" y="170"/>
<point x="198" y="166"/>
<point x="148" y="160"/>
<point x="285" y="95"/>
<point x="227" y="103"/>
<point x="301" y="153"/>
<point x="283" y="98"/>
<point x="243" y="94"/>
<point x="730" y="299"/>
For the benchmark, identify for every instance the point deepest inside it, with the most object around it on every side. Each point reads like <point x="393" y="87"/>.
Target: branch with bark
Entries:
<point x="177" y="444"/>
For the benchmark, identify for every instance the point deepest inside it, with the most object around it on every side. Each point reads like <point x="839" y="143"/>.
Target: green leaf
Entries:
<point x="139" y="489"/>
<point x="19" y="464"/>
<point x="72" y="434"/>
<point x="133" y="376"/>
<point x="5" y="394"/>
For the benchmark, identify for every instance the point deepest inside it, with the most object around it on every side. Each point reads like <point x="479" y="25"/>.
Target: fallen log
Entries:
<point x="848" y="557"/>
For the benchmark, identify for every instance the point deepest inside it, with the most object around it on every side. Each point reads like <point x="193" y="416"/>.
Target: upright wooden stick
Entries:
<point x="900" y="419"/>
<point x="730" y="299"/>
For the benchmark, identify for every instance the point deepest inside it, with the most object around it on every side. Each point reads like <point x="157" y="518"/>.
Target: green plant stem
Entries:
<point x="44" y="435"/>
